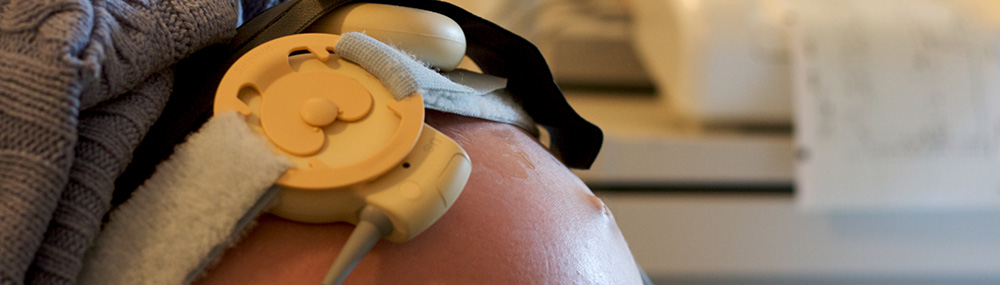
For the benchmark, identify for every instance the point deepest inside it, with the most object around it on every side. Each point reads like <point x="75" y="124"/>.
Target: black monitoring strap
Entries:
<point x="497" y="51"/>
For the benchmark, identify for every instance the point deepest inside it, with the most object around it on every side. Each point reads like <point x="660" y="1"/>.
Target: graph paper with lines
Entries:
<point x="897" y="105"/>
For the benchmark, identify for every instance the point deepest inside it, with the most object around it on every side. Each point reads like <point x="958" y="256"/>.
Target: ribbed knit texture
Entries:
<point x="66" y="129"/>
<point x="107" y="134"/>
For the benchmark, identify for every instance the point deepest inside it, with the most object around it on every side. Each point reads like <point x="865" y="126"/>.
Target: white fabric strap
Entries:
<point x="459" y="92"/>
<point x="189" y="210"/>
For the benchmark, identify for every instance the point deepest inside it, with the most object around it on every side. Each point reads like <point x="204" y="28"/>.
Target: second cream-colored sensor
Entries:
<point x="433" y="38"/>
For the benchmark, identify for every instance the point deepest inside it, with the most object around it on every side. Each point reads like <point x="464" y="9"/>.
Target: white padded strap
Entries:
<point x="459" y="92"/>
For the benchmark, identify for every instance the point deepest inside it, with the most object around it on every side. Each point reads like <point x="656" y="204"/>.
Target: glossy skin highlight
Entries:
<point x="523" y="218"/>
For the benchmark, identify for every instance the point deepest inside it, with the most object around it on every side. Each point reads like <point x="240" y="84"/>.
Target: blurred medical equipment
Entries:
<point x="718" y="62"/>
<point x="720" y="112"/>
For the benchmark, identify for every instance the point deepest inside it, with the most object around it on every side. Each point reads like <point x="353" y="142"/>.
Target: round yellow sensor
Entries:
<point x="296" y="107"/>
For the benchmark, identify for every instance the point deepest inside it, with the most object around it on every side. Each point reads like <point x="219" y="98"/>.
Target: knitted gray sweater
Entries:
<point x="81" y="81"/>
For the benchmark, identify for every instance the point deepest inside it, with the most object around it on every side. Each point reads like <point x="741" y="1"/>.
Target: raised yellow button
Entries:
<point x="318" y="112"/>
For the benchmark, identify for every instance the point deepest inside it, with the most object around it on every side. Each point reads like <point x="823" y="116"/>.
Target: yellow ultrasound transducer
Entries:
<point x="374" y="148"/>
<point x="286" y="93"/>
<point x="361" y="155"/>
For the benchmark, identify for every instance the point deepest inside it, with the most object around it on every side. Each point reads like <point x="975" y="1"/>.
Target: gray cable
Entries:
<point x="371" y="227"/>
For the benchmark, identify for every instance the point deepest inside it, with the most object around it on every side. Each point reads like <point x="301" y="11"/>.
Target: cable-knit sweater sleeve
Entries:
<point x="60" y="58"/>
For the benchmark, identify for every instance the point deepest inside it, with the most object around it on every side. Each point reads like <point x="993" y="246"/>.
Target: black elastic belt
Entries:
<point x="497" y="51"/>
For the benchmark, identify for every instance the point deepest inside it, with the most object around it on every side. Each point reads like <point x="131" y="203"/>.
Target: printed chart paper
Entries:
<point x="897" y="105"/>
